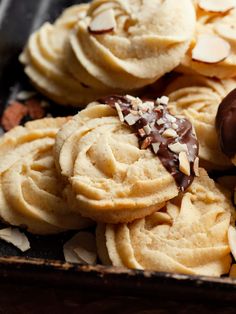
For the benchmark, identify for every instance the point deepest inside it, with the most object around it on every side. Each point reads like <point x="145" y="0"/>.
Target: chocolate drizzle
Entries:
<point x="157" y="129"/>
<point x="226" y="124"/>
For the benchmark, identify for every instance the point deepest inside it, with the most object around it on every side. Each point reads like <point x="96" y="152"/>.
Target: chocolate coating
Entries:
<point x="183" y="128"/>
<point x="226" y="124"/>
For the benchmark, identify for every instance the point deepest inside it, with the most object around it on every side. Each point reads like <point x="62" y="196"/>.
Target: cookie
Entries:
<point x="114" y="174"/>
<point x="130" y="44"/>
<point x="226" y="125"/>
<point x="213" y="50"/>
<point x="44" y="60"/>
<point x="198" y="98"/>
<point x="30" y="189"/>
<point x="187" y="236"/>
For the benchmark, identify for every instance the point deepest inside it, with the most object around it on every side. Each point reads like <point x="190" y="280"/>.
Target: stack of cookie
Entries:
<point x="136" y="167"/>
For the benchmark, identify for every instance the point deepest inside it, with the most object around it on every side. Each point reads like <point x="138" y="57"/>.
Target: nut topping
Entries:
<point x="184" y="165"/>
<point x="102" y="23"/>
<point x="220" y="6"/>
<point x="210" y="49"/>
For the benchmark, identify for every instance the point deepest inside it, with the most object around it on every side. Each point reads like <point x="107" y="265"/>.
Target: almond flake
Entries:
<point x="15" y="237"/>
<point x="147" y="129"/>
<point x="131" y="119"/>
<point x="210" y="49"/>
<point x="226" y="31"/>
<point x="103" y="22"/>
<point x="170" y="118"/>
<point x="184" y="164"/>
<point x="216" y="5"/>
<point x="81" y="249"/>
<point x="164" y="100"/>
<point x="170" y="133"/>
<point x="119" y="111"/>
<point x="174" y="126"/>
<point x="147" y="106"/>
<point x="196" y="167"/>
<point x="178" y="148"/>
<point x="232" y="240"/>
<point x="146" y="143"/>
<point x="141" y="132"/>
<point x="156" y="147"/>
<point x="160" y="121"/>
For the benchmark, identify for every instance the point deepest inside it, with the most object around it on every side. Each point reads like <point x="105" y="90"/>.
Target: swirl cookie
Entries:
<point x="30" y="189"/>
<point x="213" y="52"/>
<point x="188" y="236"/>
<point x="124" y="158"/>
<point x="198" y="98"/>
<point x="44" y="60"/>
<point x="130" y="44"/>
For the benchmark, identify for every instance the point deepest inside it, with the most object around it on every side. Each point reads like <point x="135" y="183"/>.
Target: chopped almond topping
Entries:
<point x="147" y="129"/>
<point x="156" y="147"/>
<point x="119" y="111"/>
<point x="141" y="132"/>
<point x="178" y="148"/>
<point x="196" y="167"/>
<point x="146" y="143"/>
<point x="210" y="49"/>
<point x="131" y="119"/>
<point x="184" y="164"/>
<point x="170" y="133"/>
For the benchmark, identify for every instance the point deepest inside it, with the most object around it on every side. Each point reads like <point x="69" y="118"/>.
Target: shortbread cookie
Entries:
<point x="187" y="236"/>
<point x="213" y="51"/>
<point x="130" y="44"/>
<point x="226" y="125"/>
<point x="198" y="98"/>
<point x="116" y="174"/>
<point x="45" y="64"/>
<point x="30" y="189"/>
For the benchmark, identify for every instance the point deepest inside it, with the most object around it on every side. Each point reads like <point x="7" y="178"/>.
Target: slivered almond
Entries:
<point x="146" y="143"/>
<point x="232" y="240"/>
<point x="196" y="167"/>
<point x="178" y="148"/>
<point x="156" y="147"/>
<point x="119" y="111"/>
<point x="184" y="164"/>
<point x="210" y="49"/>
<point x="217" y="5"/>
<point x="131" y="119"/>
<point x="103" y="23"/>
<point x="147" y="129"/>
<point x="163" y="100"/>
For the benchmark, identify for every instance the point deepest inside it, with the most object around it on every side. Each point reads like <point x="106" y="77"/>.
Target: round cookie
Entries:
<point x="45" y="64"/>
<point x="113" y="173"/>
<point x="130" y="44"/>
<point x="213" y="50"/>
<point x="30" y="189"/>
<point x="198" y="98"/>
<point x="187" y="236"/>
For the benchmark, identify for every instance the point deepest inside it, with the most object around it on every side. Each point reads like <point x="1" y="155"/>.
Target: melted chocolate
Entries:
<point x="151" y="117"/>
<point x="226" y="124"/>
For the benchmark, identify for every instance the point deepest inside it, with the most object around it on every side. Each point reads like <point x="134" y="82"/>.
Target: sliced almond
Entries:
<point x="146" y="143"/>
<point x="103" y="23"/>
<point x="15" y="237"/>
<point x="196" y="167"/>
<point x="226" y="31"/>
<point x="170" y="133"/>
<point x="178" y="148"/>
<point x="164" y="100"/>
<point x="160" y="121"/>
<point x="141" y="132"/>
<point x="184" y="164"/>
<point x="25" y="95"/>
<point x="81" y="249"/>
<point x="217" y="5"/>
<point x="210" y="49"/>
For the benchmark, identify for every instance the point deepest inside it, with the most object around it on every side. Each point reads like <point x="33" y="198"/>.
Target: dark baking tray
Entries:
<point x="39" y="281"/>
